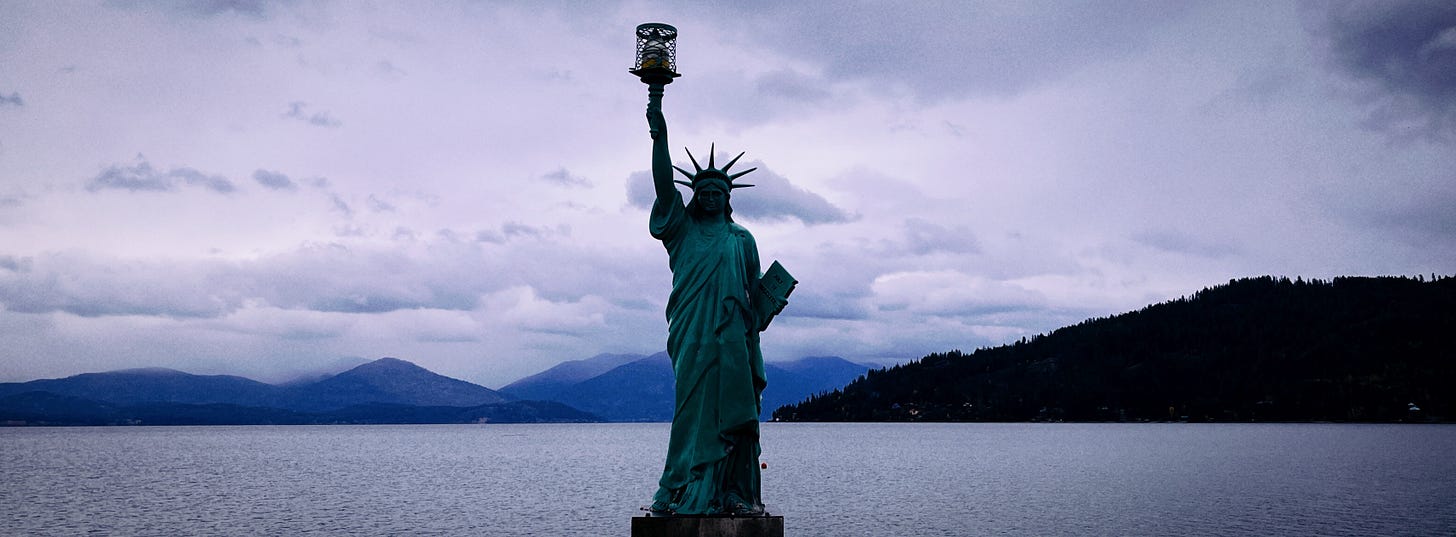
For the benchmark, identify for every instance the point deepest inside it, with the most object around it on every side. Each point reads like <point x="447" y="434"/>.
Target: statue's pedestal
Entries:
<point x="647" y="525"/>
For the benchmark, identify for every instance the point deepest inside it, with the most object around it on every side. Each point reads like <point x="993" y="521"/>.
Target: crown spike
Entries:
<point x="694" y="159"/>
<point x="682" y="171"/>
<point x="740" y="174"/>
<point x="731" y="162"/>
<point x="683" y="183"/>
<point x="739" y="186"/>
<point x="712" y="151"/>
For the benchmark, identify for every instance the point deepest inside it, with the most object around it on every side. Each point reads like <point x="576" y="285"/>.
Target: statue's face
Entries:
<point x="712" y="201"/>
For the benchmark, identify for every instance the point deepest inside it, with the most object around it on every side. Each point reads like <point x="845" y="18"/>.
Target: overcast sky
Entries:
<point x="274" y="188"/>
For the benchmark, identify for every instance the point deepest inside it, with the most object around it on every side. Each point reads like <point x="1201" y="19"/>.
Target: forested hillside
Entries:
<point x="1258" y="349"/>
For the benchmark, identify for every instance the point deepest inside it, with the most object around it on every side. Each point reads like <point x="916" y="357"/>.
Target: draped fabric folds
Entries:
<point x="712" y="457"/>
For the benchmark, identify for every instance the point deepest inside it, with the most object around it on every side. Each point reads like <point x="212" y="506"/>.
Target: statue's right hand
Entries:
<point x="656" y="123"/>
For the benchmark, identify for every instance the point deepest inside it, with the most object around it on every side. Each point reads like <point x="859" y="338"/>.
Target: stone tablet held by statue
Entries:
<point x="772" y="294"/>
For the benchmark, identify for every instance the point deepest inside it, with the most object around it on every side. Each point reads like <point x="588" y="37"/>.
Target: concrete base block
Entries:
<point x="648" y="525"/>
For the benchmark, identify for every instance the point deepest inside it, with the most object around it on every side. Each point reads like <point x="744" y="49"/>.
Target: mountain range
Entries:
<point x="627" y="387"/>
<point x="610" y="387"/>
<point x="387" y="390"/>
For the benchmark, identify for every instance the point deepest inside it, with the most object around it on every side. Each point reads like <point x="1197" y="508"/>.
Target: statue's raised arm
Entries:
<point x="661" y="153"/>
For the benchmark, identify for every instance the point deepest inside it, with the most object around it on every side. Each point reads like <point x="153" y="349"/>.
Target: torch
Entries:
<point x="656" y="61"/>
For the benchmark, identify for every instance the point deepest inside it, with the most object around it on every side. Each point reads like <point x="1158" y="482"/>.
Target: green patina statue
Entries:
<point x="719" y="304"/>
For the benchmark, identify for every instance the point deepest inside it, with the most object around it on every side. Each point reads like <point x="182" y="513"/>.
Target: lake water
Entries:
<point x="826" y="479"/>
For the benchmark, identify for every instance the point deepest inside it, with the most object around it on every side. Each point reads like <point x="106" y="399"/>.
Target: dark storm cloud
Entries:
<point x="274" y="180"/>
<point x="772" y="198"/>
<point x="1407" y="50"/>
<point x="11" y="100"/>
<point x="947" y="49"/>
<point x="142" y="177"/>
<point x="298" y="110"/>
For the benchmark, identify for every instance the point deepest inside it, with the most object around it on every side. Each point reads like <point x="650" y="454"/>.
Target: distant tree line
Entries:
<point x="1258" y="349"/>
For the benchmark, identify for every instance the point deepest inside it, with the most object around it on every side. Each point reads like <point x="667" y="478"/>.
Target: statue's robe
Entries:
<point x="712" y="455"/>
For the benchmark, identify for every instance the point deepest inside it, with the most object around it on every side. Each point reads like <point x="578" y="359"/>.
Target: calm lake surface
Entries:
<point x="826" y="479"/>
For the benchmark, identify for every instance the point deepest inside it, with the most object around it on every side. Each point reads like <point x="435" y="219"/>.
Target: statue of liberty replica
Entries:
<point x="719" y="304"/>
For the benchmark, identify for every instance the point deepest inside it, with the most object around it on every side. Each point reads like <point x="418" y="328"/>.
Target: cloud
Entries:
<point x="215" y="183"/>
<point x="772" y="198"/>
<point x="296" y="110"/>
<point x="950" y="293"/>
<point x="387" y="70"/>
<point x="814" y="304"/>
<point x="520" y="307"/>
<point x="925" y="237"/>
<point x="435" y="271"/>
<point x="340" y="205"/>
<point x="949" y="49"/>
<point x="142" y="177"/>
<point x="11" y="100"/>
<point x="254" y="9"/>
<point x="1185" y="243"/>
<point x="274" y="180"/>
<point x="1405" y="51"/>
<point x="563" y="177"/>
<point x="792" y="85"/>
<point x="93" y="287"/>
<point x="323" y="278"/>
<point x="15" y="264"/>
<point x="516" y="230"/>
<point x="378" y="205"/>
<point x="1424" y="216"/>
<point x="294" y="325"/>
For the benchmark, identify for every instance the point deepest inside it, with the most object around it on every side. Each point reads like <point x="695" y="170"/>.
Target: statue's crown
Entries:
<point x="711" y="173"/>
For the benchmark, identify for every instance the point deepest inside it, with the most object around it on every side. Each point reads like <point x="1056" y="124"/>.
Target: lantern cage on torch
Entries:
<point x="656" y="61"/>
